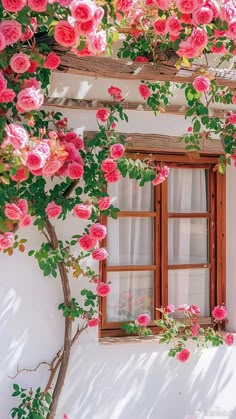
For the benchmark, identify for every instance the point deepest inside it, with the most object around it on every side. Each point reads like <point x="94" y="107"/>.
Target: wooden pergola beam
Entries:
<point x="85" y="104"/>
<point x="159" y="143"/>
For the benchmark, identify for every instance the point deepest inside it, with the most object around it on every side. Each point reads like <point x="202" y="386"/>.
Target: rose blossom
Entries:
<point x="99" y="254"/>
<point x="21" y="175"/>
<point x="232" y="29"/>
<point x="194" y="309"/>
<point x="25" y="221"/>
<point x="183" y="355"/>
<point x="52" y="61"/>
<point x="117" y="150"/>
<point x="163" y="4"/>
<point x="124" y="5"/>
<point x="3" y="83"/>
<point x="158" y="179"/>
<point x="186" y="6"/>
<point x="38" y="5"/>
<point x="33" y="66"/>
<point x="232" y="119"/>
<point x="32" y="82"/>
<point x="86" y="242"/>
<point x="23" y="205"/>
<point x="229" y="339"/>
<point x="170" y="308"/>
<point x="219" y="313"/>
<point x="11" y="30"/>
<point x="7" y="96"/>
<point x="160" y="26"/>
<point x="234" y="99"/>
<point x="201" y="84"/>
<point x="6" y="240"/>
<point x="29" y="99"/>
<point x="113" y="176"/>
<point x="114" y="91"/>
<point x="98" y="15"/>
<point x="173" y="25"/>
<point x="13" y="212"/>
<point x="102" y="289"/>
<point x="17" y="136"/>
<point x="82" y="211"/>
<point x="102" y="114"/>
<point x="75" y="170"/>
<point x="19" y="63"/>
<point x="97" y="231"/>
<point x="82" y="10"/>
<point x="2" y="42"/>
<point x="199" y="38"/>
<point x="183" y="307"/>
<point x="53" y="210"/>
<point x="195" y="329"/>
<point x="78" y="143"/>
<point x="65" y="34"/>
<point x="228" y="11"/>
<point x="144" y="91"/>
<point x="143" y="320"/>
<point x="186" y="49"/>
<point x="51" y="167"/>
<point x="35" y="160"/>
<point x="104" y="203"/>
<point x="93" y="322"/>
<point x="85" y="28"/>
<point x="108" y="165"/>
<point x="13" y="5"/>
<point x="202" y="16"/>
<point x="97" y="42"/>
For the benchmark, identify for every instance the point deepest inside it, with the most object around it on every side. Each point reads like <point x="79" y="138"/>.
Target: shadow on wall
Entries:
<point x="140" y="382"/>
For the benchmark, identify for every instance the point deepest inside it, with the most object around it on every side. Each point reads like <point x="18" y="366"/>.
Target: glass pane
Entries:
<point x="187" y="240"/>
<point x="188" y="190"/>
<point x="129" y="196"/>
<point x="190" y="286"/>
<point x="130" y="241"/>
<point x="131" y="294"/>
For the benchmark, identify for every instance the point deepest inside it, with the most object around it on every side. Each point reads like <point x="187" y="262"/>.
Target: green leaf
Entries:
<point x="16" y="387"/>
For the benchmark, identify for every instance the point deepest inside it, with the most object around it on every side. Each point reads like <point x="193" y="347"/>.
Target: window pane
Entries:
<point x="189" y="286"/>
<point x="129" y="196"/>
<point x="130" y="241"/>
<point x="131" y="294"/>
<point x="187" y="240"/>
<point x="188" y="190"/>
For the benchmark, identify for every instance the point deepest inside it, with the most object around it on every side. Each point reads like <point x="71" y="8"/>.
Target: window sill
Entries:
<point x="128" y="340"/>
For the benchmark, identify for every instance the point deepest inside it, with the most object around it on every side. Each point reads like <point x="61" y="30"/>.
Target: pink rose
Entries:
<point x="21" y="175"/>
<point x="229" y="339"/>
<point x="143" y="320"/>
<point x="186" y="49"/>
<point x="144" y="91"/>
<point x="7" y="96"/>
<point x="52" y="61"/>
<point x="82" y="211"/>
<point x="183" y="307"/>
<point x="75" y="170"/>
<point x="163" y="4"/>
<point x="186" y="6"/>
<point x="86" y="28"/>
<point x="35" y="160"/>
<point x="97" y="231"/>
<point x="173" y="25"/>
<point x="65" y="34"/>
<point x="23" y="205"/>
<point x="228" y="11"/>
<point x="29" y="99"/>
<point x="13" y="212"/>
<point x="117" y="151"/>
<point x="53" y="210"/>
<point x="194" y="309"/>
<point x="6" y="240"/>
<point x="232" y="119"/>
<point x="170" y="308"/>
<point x="19" y="63"/>
<point x="93" y="322"/>
<point x="71" y="151"/>
<point x="140" y="59"/>
<point x="104" y="203"/>
<point x="98" y="15"/>
<point x="160" y="26"/>
<point x="70" y="136"/>
<point x="103" y="289"/>
<point x="232" y="30"/>
<point x="219" y="313"/>
<point x="85" y="52"/>
<point x="202" y="16"/>
<point x="2" y="42"/>
<point x="97" y="42"/>
<point x="38" y="5"/>
<point x="13" y="5"/>
<point x="65" y="416"/>
<point x="25" y="221"/>
<point x="234" y="99"/>
<point x="113" y="176"/>
<point x="199" y="38"/>
<point x="17" y="136"/>
<point x="114" y="91"/>
<point x="99" y="254"/>
<point x="124" y="5"/>
<point x="219" y="50"/>
<point x="214" y="6"/>
<point x="3" y="83"/>
<point x="32" y="82"/>
<point x="11" y="30"/>
<point x="202" y="84"/>
<point x="195" y="329"/>
<point x="103" y="114"/>
<point x="82" y="10"/>
<point x="158" y="179"/>
<point x="108" y="165"/>
<point x="78" y="143"/>
<point x="183" y="355"/>
<point x="44" y="148"/>
<point x="51" y="167"/>
<point x="86" y="242"/>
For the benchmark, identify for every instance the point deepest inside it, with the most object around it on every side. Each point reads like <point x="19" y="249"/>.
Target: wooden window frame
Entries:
<point x="217" y="239"/>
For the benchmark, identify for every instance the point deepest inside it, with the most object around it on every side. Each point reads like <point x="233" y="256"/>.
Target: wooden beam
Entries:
<point x="85" y="104"/>
<point x="159" y="143"/>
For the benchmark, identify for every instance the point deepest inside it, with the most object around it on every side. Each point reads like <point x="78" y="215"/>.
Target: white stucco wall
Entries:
<point x="126" y="381"/>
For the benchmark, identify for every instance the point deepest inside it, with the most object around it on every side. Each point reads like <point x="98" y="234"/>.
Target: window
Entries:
<point x="168" y="244"/>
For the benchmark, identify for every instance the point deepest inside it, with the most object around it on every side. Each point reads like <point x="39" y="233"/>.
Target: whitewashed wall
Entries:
<point x="126" y="381"/>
